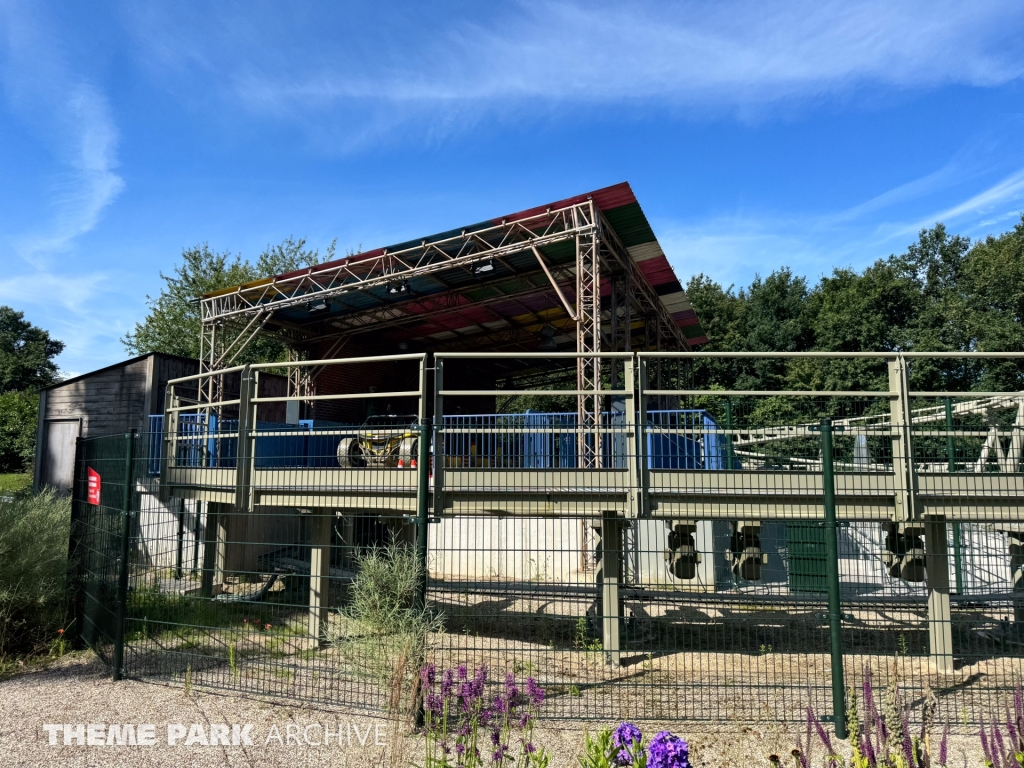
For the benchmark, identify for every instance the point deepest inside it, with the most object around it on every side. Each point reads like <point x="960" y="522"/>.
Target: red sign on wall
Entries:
<point x="94" y="486"/>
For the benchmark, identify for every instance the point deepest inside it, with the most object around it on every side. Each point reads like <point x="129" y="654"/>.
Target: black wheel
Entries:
<point x="350" y="453"/>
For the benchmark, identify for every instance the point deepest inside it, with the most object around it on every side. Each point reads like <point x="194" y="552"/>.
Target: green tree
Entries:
<point x="26" y="353"/>
<point x="18" y="417"/>
<point x="173" y="322"/>
<point x="26" y="365"/>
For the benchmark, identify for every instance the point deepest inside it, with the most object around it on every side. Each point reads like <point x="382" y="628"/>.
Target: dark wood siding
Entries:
<point x="109" y="401"/>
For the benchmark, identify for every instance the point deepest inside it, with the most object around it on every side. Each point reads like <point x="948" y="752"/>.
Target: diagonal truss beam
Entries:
<point x="379" y="269"/>
<point x="643" y="300"/>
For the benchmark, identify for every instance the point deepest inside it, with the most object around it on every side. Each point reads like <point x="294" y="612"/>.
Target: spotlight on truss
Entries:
<point x="401" y="286"/>
<point x="317" y="305"/>
<point x="483" y="267"/>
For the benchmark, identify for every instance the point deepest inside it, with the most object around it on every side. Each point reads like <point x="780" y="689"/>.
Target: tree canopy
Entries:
<point x="26" y="365"/>
<point x="26" y="354"/>
<point x="173" y="322"/>
<point x="943" y="294"/>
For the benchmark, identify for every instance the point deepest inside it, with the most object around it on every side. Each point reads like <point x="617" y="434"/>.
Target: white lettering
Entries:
<point x="241" y="735"/>
<point x="121" y="735"/>
<point x="377" y="740"/>
<point x="292" y="731"/>
<point x="219" y="735"/>
<point x="78" y="734"/>
<point x="274" y="734"/>
<point x="362" y="738"/>
<point x="51" y="730"/>
<point x="175" y="733"/>
<point x="96" y="734"/>
<point x="146" y="734"/>
<point x="328" y="734"/>
<point x="196" y="735"/>
<point x="305" y="735"/>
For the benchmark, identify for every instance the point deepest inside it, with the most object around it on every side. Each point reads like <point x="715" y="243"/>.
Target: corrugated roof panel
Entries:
<point x="676" y="302"/>
<point x="645" y="251"/>
<point x="620" y="208"/>
<point x="630" y="225"/>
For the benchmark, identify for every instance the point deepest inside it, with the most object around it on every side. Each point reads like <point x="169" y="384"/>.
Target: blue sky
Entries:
<point x="813" y="135"/>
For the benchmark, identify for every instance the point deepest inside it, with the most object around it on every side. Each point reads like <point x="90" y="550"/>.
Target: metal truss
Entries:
<point x="232" y="319"/>
<point x="426" y="258"/>
<point x="642" y="299"/>
<point x="588" y="341"/>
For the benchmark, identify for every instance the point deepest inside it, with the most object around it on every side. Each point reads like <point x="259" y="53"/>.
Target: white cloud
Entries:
<point x="73" y="116"/>
<point x="74" y="292"/>
<point x="732" y="249"/>
<point x="688" y="53"/>
<point x="1007" y="193"/>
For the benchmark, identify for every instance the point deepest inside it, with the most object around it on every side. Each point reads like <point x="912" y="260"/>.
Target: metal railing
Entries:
<point x="693" y="550"/>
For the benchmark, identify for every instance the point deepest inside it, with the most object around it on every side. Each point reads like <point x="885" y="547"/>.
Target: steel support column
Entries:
<point x="940" y="617"/>
<point x="610" y="580"/>
<point x="588" y="341"/>
<point x="319" y="574"/>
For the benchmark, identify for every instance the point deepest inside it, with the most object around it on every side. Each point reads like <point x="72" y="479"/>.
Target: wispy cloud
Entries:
<point x="732" y="249"/>
<point x="1004" y="199"/>
<point x="739" y="55"/>
<point x="47" y="93"/>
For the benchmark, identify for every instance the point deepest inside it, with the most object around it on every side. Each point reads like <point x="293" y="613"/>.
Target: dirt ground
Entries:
<point x="78" y="690"/>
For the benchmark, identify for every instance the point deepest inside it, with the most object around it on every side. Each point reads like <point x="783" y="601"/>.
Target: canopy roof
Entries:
<point x="478" y="287"/>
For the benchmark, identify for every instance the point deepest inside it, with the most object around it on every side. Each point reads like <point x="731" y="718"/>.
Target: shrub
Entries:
<point x="878" y="738"/>
<point x="465" y="727"/>
<point x="382" y="632"/>
<point x="625" y="748"/>
<point x="1006" y="752"/>
<point x="34" y="565"/>
<point x="18" y="411"/>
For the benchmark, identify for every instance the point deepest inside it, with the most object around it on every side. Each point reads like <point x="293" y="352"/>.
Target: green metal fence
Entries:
<point x="693" y="551"/>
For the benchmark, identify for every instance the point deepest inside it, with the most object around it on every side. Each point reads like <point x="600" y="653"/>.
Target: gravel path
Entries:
<point x="78" y="690"/>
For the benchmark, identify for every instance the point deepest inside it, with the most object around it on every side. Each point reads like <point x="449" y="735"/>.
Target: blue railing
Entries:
<point x="680" y="439"/>
<point x="206" y="442"/>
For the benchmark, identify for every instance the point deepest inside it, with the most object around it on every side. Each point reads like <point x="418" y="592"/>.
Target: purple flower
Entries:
<point x="529" y="748"/>
<point x="998" y="747"/>
<point x="908" y="746"/>
<point x="462" y="672"/>
<point x="460" y="749"/>
<point x="944" y="746"/>
<point x="428" y="674"/>
<point x="869" y="750"/>
<point x="495" y="737"/>
<point x="627" y="738"/>
<point x="668" y="751"/>
<point x="822" y="733"/>
<point x="626" y="735"/>
<point x="984" y="745"/>
<point x="434" y="703"/>
<point x="534" y="691"/>
<point x="447" y="682"/>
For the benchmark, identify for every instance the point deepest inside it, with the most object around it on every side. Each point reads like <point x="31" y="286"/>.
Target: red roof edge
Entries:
<point x="605" y="198"/>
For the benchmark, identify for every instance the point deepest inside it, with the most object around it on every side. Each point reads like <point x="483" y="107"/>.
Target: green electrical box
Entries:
<point x="807" y="561"/>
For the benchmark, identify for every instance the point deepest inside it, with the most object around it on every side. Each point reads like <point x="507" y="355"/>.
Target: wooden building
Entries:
<point x="111" y="400"/>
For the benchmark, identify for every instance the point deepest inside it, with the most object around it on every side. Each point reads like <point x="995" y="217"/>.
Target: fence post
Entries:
<point x="122" y="575"/>
<point x="728" y="437"/>
<point x="951" y="459"/>
<point x="835" y="616"/>
<point x="422" y="498"/>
